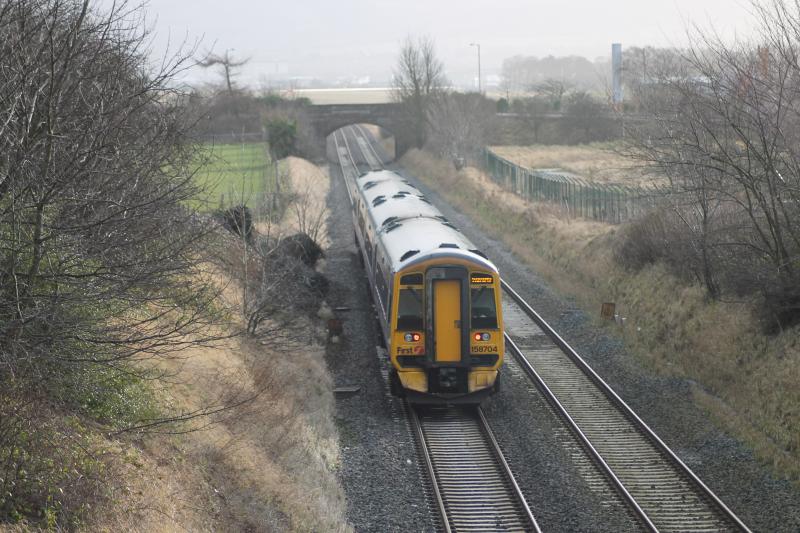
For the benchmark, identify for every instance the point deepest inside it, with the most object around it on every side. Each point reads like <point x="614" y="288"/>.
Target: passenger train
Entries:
<point x="436" y="295"/>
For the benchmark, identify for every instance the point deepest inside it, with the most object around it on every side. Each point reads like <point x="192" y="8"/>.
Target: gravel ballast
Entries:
<point x="379" y="471"/>
<point x="724" y="464"/>
<point x="381" y="474"/>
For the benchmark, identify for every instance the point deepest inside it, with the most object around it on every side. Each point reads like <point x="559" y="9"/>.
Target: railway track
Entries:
<point x="345" y="155"/>
<point x="473" y="487"/>
<point x="661" y="490"/>
<point x="471" y="484"/>
<point x="363" y="138"/>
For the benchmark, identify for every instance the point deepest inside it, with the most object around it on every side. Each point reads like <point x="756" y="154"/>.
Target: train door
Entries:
<point x="447" y="320"/>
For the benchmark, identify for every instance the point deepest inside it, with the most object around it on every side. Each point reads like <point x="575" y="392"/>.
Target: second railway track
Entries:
<point x="663" y="492"/>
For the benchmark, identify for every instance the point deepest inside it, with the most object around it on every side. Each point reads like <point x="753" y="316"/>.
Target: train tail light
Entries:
<point x="412" y="337"/>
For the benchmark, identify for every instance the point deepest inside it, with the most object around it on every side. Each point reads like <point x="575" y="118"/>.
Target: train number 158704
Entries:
<point x="484" y="349"/>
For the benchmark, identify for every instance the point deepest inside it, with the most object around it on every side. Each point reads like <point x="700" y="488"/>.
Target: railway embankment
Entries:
<point x="710" y="383"/>
<point x="258" y="450"/>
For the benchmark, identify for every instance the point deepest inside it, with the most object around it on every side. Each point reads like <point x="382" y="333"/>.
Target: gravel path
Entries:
<point x="380" y="473"/>
<point x="551" y="474"/>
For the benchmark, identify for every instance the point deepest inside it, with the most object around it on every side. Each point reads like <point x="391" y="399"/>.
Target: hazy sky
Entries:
<point x="329" y="38"/>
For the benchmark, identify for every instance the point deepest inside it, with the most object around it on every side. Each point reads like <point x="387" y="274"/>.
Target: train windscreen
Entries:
<point x="483" y="310"/>
<point x="409" y="310"/>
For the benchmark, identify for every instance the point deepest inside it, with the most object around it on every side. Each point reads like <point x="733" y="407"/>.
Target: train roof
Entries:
<point x="374" y="175"/>
<point x="383" y="178"/>
<point x="410" y="228"/>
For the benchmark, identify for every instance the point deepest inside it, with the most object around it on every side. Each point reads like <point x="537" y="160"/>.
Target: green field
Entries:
<point x="232" y="174"/>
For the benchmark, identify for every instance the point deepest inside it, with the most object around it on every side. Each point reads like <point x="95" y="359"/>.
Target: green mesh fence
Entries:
<point x="601" y="202"/>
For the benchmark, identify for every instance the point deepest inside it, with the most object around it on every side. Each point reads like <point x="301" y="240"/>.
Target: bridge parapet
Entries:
<point x="328" y="118"/>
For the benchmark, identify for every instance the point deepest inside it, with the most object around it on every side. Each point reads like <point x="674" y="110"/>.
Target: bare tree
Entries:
<point x="227" y="64"/>
<point x="418" y="78"/>
<point x="644" y="67"/>
<point x="99" y="255"/>
<point x="101" y="260"/>
<point x="460" y="124"/>
<point x="532" y="113"/>
<point x="724" y="127"/>
<point x="553" y="90"/>
<point x="586" y="119"/>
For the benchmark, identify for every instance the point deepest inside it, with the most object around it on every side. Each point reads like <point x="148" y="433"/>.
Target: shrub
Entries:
<point x="282" y="135"/>
<point x="302" y="247"/>
<point x="49" y="472"/>
<point x="238" y="220"/>
<point x="645" y="241"/>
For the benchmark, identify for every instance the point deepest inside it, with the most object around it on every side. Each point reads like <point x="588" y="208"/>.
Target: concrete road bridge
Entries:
<point x="330" y="117"/>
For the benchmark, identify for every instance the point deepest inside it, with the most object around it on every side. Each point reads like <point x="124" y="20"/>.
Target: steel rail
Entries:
<point x="473" y="486"/>
<point x="437" y="495"/>
<point x="620" y="404"/>
<point x="360" y="141"/>
<point x="507" y="470"/>
<point x="368" y="140"/>
<point x="349" y="152"/>
<point x="341" y="163"/>
<point x="584" y="440"/>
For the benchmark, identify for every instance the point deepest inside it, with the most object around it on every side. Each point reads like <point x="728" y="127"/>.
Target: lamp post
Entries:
<point x="479" y="65"/>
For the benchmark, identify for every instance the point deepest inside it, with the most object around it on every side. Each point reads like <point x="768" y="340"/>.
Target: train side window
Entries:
<point x="409" y="310"/>
<point x="368" y="246"/>
<point x="383" y="288"/>
<point x="361" y="222"/>
<point x="483" y="312"/>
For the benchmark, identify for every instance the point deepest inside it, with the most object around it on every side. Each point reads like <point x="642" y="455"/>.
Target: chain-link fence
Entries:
<point x="602" y="202"/>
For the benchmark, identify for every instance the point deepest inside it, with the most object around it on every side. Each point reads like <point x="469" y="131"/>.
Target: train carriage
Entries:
<point x="437" y="297"/>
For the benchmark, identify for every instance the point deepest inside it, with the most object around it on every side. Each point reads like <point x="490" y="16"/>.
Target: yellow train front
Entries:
<point x="437" y="297"/>
<point x="446" y="331"/>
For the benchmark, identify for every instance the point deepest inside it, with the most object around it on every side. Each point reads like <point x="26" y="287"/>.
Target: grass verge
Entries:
<point x="233" y="174"/>
<point x="745" y="380"/>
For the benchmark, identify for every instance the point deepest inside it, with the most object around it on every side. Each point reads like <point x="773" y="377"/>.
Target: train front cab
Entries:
<point x="447" y="338"/>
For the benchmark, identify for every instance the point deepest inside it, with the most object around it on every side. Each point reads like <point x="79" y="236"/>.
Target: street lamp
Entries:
<point x="479" y="65"/>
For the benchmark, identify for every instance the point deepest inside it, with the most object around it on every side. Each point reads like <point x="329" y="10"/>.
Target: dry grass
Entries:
<point x="595" y="162"/>
<point x="748" y="382"/>
<point x="266" y="466"/>
<point x="309" y="211"/>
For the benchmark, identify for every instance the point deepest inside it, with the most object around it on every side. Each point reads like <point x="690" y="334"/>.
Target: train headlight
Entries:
<point x="486" y="336"/>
